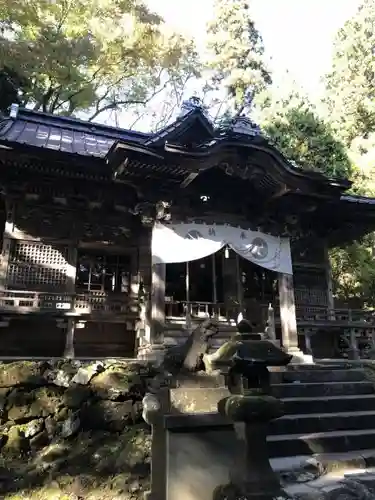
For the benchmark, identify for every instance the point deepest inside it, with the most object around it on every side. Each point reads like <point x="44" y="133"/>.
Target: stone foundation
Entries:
<point x="73" y="428"/>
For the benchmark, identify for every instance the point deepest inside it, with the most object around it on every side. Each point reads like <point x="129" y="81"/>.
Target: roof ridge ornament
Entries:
<point x="244" y="126"/>
<point x="191" y="104"/>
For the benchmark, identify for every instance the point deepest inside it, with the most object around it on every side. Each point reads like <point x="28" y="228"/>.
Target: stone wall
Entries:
<point x="73" y="428"/>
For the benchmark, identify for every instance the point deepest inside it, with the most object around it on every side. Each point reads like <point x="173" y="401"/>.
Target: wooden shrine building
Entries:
<point x="81" y="203"/>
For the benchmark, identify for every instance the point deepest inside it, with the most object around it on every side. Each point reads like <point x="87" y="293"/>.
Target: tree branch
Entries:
<point x="114" y="105"/>
<point x="71" y="96"/>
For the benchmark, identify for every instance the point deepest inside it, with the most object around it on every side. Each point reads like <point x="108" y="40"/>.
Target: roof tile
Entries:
<point x="64" y="134"/>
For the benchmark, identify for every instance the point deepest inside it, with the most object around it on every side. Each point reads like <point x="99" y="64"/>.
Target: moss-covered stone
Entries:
<point x="115" y="382"/>
<point x="32" y="428"/>
<point x="108" y="458"/>
<point x="40" y="402"/>
<point x="16" y="443"/>
<point x="21" y="373"/>
<point x="39" y="441"/>
<point x="76" y="395"/>
<point x="108" y="415"/>
<point x="85" y="373"/>
<point x="63" y="424"/>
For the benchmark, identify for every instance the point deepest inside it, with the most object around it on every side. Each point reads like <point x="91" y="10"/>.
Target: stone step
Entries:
<point x="300" y="390"/>
<point x="321" y="467"/>
<point x="322" y="422"/>
<point x="316" y="367"/>
<point x="328" y="404"/>
<point x="325" y="462"/>
<point x="288" y="445"/>
<point x="324" y="375"/>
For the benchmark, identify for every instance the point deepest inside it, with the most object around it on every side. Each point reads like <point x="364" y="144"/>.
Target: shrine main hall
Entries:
<point x="117" y="243"/>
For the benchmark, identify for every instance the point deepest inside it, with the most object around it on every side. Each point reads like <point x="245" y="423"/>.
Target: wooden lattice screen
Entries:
<point x="310" y="286"/>
<point x="35" y="265"/>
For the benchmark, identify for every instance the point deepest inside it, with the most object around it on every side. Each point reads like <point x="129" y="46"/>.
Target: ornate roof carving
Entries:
<point x="192" y="104"/>
<point x="244" y="126"/>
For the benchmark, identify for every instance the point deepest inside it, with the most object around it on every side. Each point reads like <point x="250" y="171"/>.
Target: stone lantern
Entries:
<point x="250" y="406"/>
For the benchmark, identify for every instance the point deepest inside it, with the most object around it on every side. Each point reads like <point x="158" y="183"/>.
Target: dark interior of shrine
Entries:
<point x="203" y="280"/>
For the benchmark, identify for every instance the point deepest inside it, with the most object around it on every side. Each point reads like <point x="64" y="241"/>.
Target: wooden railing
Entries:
<point x="81" y="304"/>
<point x="183" y="309"/>
<point x="305" y="314"/>
<point x="70" y="304"/>
<point x="323" y="314"/>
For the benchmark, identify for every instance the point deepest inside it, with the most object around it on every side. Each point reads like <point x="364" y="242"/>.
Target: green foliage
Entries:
<point x="11" y="87"/>
<point x="351" y="82"/>
<point x="97" y="55"/>
<point x="236" y="54"/>
<point x="353" y="271"/>
<point x="350" y="100"/>
<point x="295" y="128"/>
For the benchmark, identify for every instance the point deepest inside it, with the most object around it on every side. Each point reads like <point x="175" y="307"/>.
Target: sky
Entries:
<point x="297" y="34"/>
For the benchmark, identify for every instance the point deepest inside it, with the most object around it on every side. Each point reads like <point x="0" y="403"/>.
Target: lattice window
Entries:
<point x="102" y="272"/>
<point x="34" y="265"/>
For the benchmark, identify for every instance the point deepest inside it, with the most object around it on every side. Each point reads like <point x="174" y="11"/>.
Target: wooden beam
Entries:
<point x="189" y="179"/>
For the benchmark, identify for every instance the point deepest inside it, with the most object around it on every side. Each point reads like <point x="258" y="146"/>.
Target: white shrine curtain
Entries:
<point x="173" y="243"/>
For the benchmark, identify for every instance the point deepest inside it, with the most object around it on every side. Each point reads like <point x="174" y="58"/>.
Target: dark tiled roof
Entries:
<point x="68" y="135"/>
<point x="179" y="126"/>
<point x="363" y="200"/>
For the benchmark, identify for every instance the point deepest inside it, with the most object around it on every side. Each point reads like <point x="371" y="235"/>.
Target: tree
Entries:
<point x="296" y="129"/>
<point x="353" y="271"/>
<point x="236" y="52"/>
<point x="91" y="56"/>
<point x="11" y="88"/>
<point x="350" y="100"/>
<point x="350" y="85"/>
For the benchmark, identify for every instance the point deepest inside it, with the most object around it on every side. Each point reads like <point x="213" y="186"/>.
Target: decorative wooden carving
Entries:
<point x="54" y="222"/>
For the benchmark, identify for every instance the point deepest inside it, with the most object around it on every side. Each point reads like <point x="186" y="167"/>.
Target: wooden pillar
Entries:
<point x="355" y="354"/>
<point x="330" y="299"/>
<point x="288" y="313"/>
<point x="214" y="279"/>
<point x="308" y="342"/>
<point x="72" y="269"/>
<point x="4" y="262"/>
<point x="157" y="303"/>
<point x="69" y="340"/>
<point x="188" y="311"/>
<point x="271" y="328"/>
<point x="239" y="284"/>
<point x="6" y="247"/>
<point x="230" y="284"/>
<point x="143" y="291"/>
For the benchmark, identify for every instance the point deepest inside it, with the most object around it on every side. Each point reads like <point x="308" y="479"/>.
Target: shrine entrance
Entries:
<point x="220" y="285"/>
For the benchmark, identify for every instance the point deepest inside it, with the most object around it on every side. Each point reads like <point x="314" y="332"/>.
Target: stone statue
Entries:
<point x="189" y="355"/>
